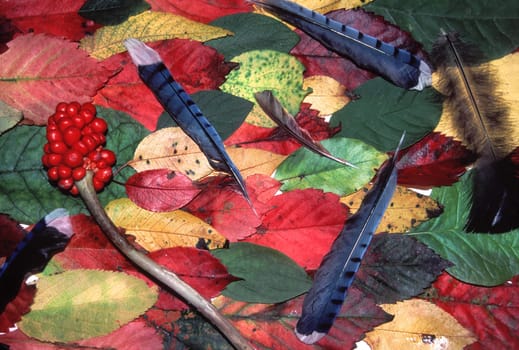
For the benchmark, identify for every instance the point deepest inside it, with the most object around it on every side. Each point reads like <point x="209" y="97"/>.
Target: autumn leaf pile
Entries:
<point x="424" y="281"/>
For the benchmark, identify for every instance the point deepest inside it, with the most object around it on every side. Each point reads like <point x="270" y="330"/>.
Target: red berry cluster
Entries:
<point x="75" y="144"/>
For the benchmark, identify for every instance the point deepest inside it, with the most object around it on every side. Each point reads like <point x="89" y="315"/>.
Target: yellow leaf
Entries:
<point x="325" y="6"/>
<point x="419" y="324"/>
<point x="252" y="161"/>
<point x="148" y="26"/>
<point x="327" y="96"/>
<point x="407" y="209"/>
<point x="155" y="231"/>
<point x="505" y="69"/>
<point x="171" y="148"/>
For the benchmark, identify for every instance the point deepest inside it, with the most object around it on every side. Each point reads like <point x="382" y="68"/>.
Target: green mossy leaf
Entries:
<point x="305" y="169"/>
<point x="267" y="276"/>
<point x="384" y="111"/>
<point x="226" y="112"/>
<point x="252" y="32"/>
<point x="491" y="26"/>
<point x="82" y="304"/>
<point x="267" y="70"/>
<point x="26" y="193"/>
<point x="478" y="258"/>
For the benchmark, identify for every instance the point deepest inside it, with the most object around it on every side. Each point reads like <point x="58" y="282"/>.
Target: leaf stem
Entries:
<point x="160" y="273"/>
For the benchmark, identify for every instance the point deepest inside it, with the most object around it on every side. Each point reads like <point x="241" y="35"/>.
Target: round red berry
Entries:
<point x="78" y="173"/>
<point x="100" y="139"/>
<point x="73" y="158"/>
<point x="71" y="135"/>
<point x="73" y="190"/>
<point x="61" y="107"/>
<point x="81" y="147"/>
<point x="73" y="108"/>
<point x="58" y="147"/>
<point x="89" y="142"/>
<point x="53" y="174"/>
<point x="108" y="156"/>
<point x="59" y="115"/>
<point x="54" y="159"/>
<point x="99" y="125"/>
<point x="66" y="184"/>
<point x="65" y="123"/>
<point x="103" y="174"/>
<point x="64" y="172"/>
<point x="88" y="107"/>
<point x="53" y="135"/>
<point x="46" y="148"/>
<point x="98" y="184"/>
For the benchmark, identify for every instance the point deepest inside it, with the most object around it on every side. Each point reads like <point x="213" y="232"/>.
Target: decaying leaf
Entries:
<point x="154" y="231"/>
<point x="407" y="209"/>
<point x="147" y="26"/>
<point x="81" y="304"/>
<point x="419" y="325"/>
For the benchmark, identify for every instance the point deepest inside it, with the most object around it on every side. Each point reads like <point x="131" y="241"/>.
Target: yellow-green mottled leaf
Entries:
<point x="148" y="26"/>
<point x="267" y="70"/>
<point x="82" y="304"/>
<point x="9" y="117"/>
<point x="154" y="231"/>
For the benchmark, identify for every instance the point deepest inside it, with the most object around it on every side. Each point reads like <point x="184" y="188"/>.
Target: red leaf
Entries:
<point x="18" y="307"/>
<point x="196" y="267"/>
<point x="276" y="140"/>
<point x="272" y="326"/>
<point x="490" y="313"/>
<point x="10" y="235"/>
<point x="39" y="71"/>
<point x="132" y="336"/>
<point x="57" y="17"/>
<point x="195" y="66"/>
<point x="436" y="160"/>
<point x="203" y="11"/>
<point x="320" y="61"/>
<point x="161" y="190"/>
<point x="227" y="210"/>
<point x="302" y="224"/>
<point x="90" y="249"/>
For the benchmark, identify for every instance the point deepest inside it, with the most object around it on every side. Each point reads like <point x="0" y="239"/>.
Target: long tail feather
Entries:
<point x="48" y="237"/>
<point x="273" y="108"/>
<point x="480" y="117"/>
<point x="398" y="66"/>
<point x="338" y="268"/>
<point x="183" y="109"/>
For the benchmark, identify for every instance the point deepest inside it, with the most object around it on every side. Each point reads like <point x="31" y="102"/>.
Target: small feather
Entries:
<point x="273" y="108"/>
<point x="48" y="237"/>
<point x="398" y="66"/>
<point x="183" y="109"/>
<point x="338" y="268"/>
<point x="481" y="120"/>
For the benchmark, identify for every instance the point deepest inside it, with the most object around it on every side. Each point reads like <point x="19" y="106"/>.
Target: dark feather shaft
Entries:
<point x="48" y="237"/>
<point x="273" y="108"/>
<point x="183" y="110"/>
<point x="398" y="66"/>
<point x="480" y="118"/>
<point x="338" y="268"/>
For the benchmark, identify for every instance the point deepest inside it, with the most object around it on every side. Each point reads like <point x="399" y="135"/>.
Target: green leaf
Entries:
<point x="9" y="117"/>
<point x="267" y="70"/>
<point x="81" y="304"/>
<point x="25" y="190"/>
<point x="252" y="32"/>
<point x="397" y="267"/>
<point x="111" y="12"/>
<point x="478" y="258"/>
<point x="268" y="276"/>
<point x="384" y="111"/>
<point x="490" y="25"/>
<point x="305" y="169"/>
<point x="225" y="111"/>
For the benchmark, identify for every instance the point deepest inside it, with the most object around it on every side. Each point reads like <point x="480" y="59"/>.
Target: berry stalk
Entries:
<point x="87" y="192"/>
